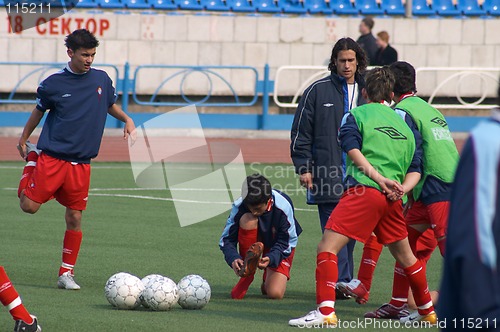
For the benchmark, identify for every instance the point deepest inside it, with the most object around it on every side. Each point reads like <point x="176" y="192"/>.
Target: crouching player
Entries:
<point x="382" y="155"/>
<point x="262" y="224"/>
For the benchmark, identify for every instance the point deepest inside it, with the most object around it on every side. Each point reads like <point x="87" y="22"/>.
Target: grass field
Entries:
<point x="143" y="236"/>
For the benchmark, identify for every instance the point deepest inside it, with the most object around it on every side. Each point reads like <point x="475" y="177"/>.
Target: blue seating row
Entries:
<point x="339" y="7"/>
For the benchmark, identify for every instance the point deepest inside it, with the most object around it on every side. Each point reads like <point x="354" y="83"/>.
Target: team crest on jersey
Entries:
<point x="439" y="122"/>
<point x="392" y="132"/>
<point x="99" y="91"/>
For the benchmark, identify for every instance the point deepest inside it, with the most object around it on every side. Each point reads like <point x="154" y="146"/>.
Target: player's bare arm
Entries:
<point x="129" y="129"/>
<point x="388" y="186"/>
<point x="33" y="121"/>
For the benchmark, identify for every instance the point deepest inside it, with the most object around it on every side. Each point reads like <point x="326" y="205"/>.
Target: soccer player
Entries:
<point x="314" y="147"/>
<point x="428" y="202"/>
<point x="79" y="98"/>
<point x="262" y="221"/>
<point x="470" y="288"/>
<point x="10" y="299"/>
<point x="382" y="155"/>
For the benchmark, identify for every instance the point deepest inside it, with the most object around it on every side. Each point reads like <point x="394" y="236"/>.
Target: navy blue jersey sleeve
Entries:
<point x="112" y="96"/>
<point x="349" y="134"/>
<point x="229" y="239"/>
<point x="43" y="97"/>
<point x="417" y="161"/>
<point x="302" y="133"/>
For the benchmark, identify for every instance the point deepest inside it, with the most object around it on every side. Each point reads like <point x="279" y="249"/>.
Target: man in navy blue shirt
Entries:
<point x="470" y="288"/>
<point x="79" y="98"/>
<point x="265" y="215"/>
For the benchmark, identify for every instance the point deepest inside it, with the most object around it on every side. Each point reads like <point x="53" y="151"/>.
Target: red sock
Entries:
<point x="71" y="247"/>
<point x="10" y="299"/>
<point x="400" y="286"/>
<point x="369" y="259"/>
<point x="240" y="289"/>
<point x="327" y="274"/>
<point x="27" y="172"/>
<point x="246" y="237"/>
<point x="418" y="283"/>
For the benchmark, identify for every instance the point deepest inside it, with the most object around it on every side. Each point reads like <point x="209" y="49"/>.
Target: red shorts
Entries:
<point x="65" y="181"/>
<point x="363" y="210"/>
<point x="285" y="265"/>
<point x="435" y="215"/>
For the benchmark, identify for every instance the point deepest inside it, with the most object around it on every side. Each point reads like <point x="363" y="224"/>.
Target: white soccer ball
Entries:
<point x="122" y="290"/>
<point x="160" y="294"/>
<point x="194" y="292"/>
<point x="145" y="282"/>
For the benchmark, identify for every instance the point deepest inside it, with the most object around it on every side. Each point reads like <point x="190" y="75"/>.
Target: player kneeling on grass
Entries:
<point x="262" y="224"/>
<point x="382" y="155"/>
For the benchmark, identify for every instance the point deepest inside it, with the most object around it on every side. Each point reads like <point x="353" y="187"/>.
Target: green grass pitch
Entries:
<point x="143" y="236"/>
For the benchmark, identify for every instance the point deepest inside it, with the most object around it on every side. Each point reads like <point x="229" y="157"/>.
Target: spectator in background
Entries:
<point x="367" y="41"/>
<point x="386" y="54"/>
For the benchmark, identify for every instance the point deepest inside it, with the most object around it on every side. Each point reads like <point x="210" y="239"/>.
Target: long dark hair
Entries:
<point x="345" y="44"/>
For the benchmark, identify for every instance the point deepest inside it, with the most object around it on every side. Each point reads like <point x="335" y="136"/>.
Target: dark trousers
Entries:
<point x="345" y="260"/>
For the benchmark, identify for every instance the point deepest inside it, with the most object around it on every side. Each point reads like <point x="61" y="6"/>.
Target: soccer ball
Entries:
<point x="145" y="282"/>
<point x="194" y="292"/>
<point x="122" y="290"/>
<point x="160" y="294"/>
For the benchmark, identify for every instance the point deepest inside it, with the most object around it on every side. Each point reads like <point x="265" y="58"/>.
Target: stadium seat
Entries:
<point x="470" y="8"/>
<point x="369" y="7"/>
<point x="445" y="8"/>
<point x="216" y="5"/>
<point x="318" y="7"/>
<point x="393" y="7"/>
<point x="422" y="8"/>
<point x="110" y="4"/>
<point x="164" y="4"/>
<point x="241" y="6"/>
<point x="293" y="6"/>
<point x="137" y="4"/>
<point x="86" y="4"/>
<point x="492" y="7"/>
<point x="266" y="6"/>
<point x="343" y="7"/>
<point x="189" y="4"/>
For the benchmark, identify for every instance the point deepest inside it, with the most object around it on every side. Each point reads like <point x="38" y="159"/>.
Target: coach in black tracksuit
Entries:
<point x="314" y="148"/>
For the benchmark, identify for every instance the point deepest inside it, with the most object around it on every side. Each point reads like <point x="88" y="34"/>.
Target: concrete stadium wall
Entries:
<point x="198" y="39"/>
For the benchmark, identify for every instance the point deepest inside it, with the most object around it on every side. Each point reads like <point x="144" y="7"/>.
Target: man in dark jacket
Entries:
<point x="314" y="148"/>
<point x="367" y="40"/>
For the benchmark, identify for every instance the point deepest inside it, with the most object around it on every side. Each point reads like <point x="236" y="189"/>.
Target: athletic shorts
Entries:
<point x="285" y="265"/>
<point x="65" y="181"/>
<point x="363" y="210"/>
<point x="435" y="215"/>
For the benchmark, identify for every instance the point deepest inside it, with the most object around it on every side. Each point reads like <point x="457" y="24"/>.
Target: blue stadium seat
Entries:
<point x="110" y="4"/>
<point x="266" y="6"/>
<point x="241" y="6"/>
<point x="318" y="7"/>
<point x="216" y="5"/>
<point x="492" y="7"/>
<point x="137" y="4"/>
<point x="344" y="7"/>
<point x="292" y="6"/>
<point x="422" y="8"/>
<point x="189" y="4"/>
<point x="470" y="8"/>
<point x="164" y="4"/>
<point x="445" y="8"/>
<point x="86" y="4"/>
<point x="393" y="7"/>
<point x="369" y="7"/>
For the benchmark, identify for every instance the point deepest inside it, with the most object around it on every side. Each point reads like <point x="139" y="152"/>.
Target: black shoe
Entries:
<point x="22" y="326"/>
<point x="339" y="295"/>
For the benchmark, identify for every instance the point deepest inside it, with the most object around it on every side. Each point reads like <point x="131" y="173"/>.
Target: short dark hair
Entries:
<point x="369" y="22"/>
<point x="344" y="44"/>
<point x="81" y="38"/>
<point x="256" y="189"/>
<point x="405" y="77"/>
<point x="379" y="84"/>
